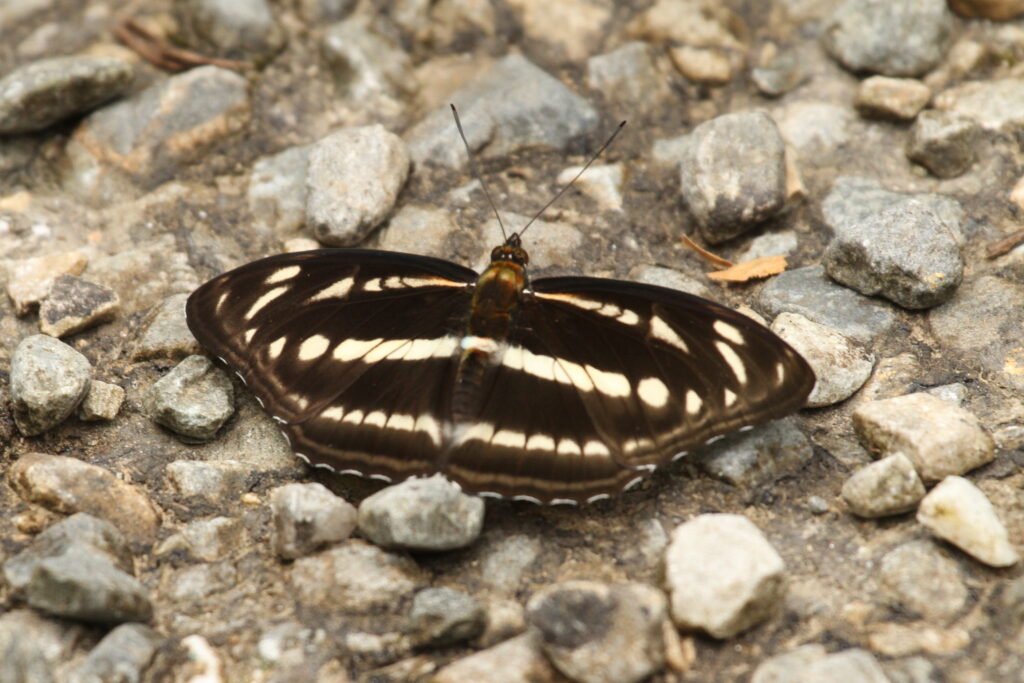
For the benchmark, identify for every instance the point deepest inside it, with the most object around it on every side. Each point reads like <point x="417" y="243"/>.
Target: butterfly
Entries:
<point x="555" y="390"/>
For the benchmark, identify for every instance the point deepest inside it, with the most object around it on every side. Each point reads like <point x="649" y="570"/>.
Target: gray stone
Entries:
<point x="722" y="575"/>
<point x="785" y="72"/>
<point x="87" y="587"/>
<point x="505" y="562"/>
<point x="355" y="577"/>
<point x="669" y="277"/>
<point x="996" y="105"/>
<point x="514" y="105"/>
<point x="167" y="335"/>
<point x="601" y="633"/>
<point x="890" y="486"/>
<point x="418" y="230"/>
<point x="628" y="74"/>
<point x="422" y="514"/>
<point x="193" y="400"/>
<point x="769" y="244"/>
<point x="959" y="512"/>
<point x="810" y="293"/>
<point x="122" y="656"/>
<point x="517" y="660"/>
<point x="905" y="248"/>
<point x="48" y="381"/>
<point x="207" y="540"/>
<point x="366" y="62"/>
<point x="30" y="280"/>
<point x="955" y="393"/>
<point x="191" y="586"/>
<point x="214" y="482"/>
<point x="920" y="579"/>
<point x="235" y="29"/>
<point x="820" y="131"/>
<point x="68" y="485"/>
<point x="352" y="182"/>
<point x="853" y="665"/>
<point x="103" y="402"/>
<point x="306" y="517"/>
<point x="550" y="243"/>
<point x="602" y="183"/>
<point x="140" y="142"/>
<point x="79" y="529"/>
<point x="841" y="365"/>
<point x="74" y="305"/>
<point x="41" y="93"/>
<point x="938" y="437"/>
<point x="733" y="174"/>
<point x="762" y="454"/>
<point x="787" y="667"/>
<point x="889" y="37"/>
<point x="898" y="99"/>
<point x="980" y="326"/>
<point x="33" y="649"/>
<point x="442" y="616"/>
<point x="277" y="190"/>
<point x="943" y="142"/>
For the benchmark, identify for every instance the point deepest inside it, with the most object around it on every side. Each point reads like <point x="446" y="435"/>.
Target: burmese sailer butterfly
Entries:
<point x="556" y="390"/>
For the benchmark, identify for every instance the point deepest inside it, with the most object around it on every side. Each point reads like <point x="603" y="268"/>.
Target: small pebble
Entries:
<point x="48" y="381"/>
<point x="601" y="633"/>
<point x="517" y="659"/>
<point x="74" y="305"/>
<point x="29" y="280"/>
<point x="920" y="579"/>
<point x="123" y="655"/>
<point x="68" y="485"/>
<point x="957" y="511"/>
<point x="167" y="335"/>
<point x="214" y="481"/>
<point x="899" y="99"/>
<point x="307" y="517"/>
<point x="355" y="576"/>
<point x="705" y="65"/>
<point x="722" y="575"/>
<point x="938" y="437"/>
<point x="733" y="174"/>
<point x="352" y="181"/>
<point x="193" y="400"/>
<point x="443" y="616"/>
<point x="943" y="142"/>
<point x="887" y="487"/>
<point x="422" y="514"/>
<point x="82" y="586"/>
<point x="840" y="364"/>
<point x="102" y="402"/>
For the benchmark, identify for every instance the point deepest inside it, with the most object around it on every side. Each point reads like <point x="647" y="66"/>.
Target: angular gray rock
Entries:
<point x="41" y="93"/>
<point x="211" y="481"/>
<point x="889" y="37"/>
<point x="938" y="437"/>
<point x="48" y="381"/>
<point x="167" y="334"/>
<point x="905" y="248"/>
<point x="122" y="656"/>
<point x="366" y="62"/>
<point x="443" y="616"/>
<point x="922" y="580"/>
<point x="193" y="400"/>
<point x="959" y="512"/>
<point x="235" y="29"/>
<point x="103" y="402"/>
<point x="943" y="142"/>
<point x="352" y="181"/>
<point x="762" y="454"/>
<point x="74" y="304"/>
<point x="810" y="293"/>
<point x="80" y="584"/>
<point x="601" y="633"/>
<point x="306" y="517"/>
<point x="422" y="514"/>
<point x="887" y="487"/>
<point x="733" y="174"/>
<point x="514" y="105"/>
<point x="841" y="365"/>
<point x="722" y="575"/>
<point x="34" y="648"/>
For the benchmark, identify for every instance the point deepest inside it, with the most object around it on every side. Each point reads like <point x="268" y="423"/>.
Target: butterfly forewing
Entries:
<point x="339" y="344"/>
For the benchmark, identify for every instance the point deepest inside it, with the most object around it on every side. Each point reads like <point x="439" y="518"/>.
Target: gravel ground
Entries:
<point x="154" y="524"/>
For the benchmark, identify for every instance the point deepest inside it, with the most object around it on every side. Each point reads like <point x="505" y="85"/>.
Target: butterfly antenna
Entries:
<point x="476" y="173"/>
<point x="570" y="183"/>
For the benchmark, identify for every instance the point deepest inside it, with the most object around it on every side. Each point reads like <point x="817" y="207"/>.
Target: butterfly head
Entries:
<point x="511" y="250"/>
